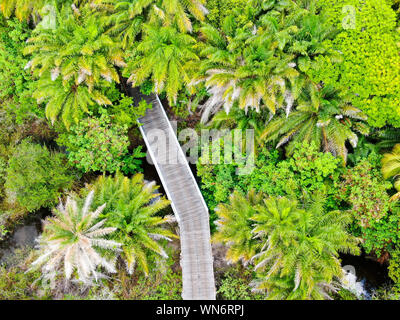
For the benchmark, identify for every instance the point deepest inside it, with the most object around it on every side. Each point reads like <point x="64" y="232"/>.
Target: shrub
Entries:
<point x="371" y="64"/>
<point x="15" y="95"/>
<point x="95" y="144"/>
<point x="15" y="284"/>
<point x="235" y="285"/>
<point x="36" y="177"/>
<point x="307" y="171"/>
<point x="220" y="9"/>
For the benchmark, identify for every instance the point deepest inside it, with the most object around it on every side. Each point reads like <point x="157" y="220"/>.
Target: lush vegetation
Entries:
<point x="317" y="81"/>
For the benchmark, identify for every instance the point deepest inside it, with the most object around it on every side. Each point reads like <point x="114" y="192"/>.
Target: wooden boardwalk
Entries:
<point x="186" y="200"/>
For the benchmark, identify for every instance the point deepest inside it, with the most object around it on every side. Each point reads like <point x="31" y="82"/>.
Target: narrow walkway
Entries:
<point x="186" y="200"/>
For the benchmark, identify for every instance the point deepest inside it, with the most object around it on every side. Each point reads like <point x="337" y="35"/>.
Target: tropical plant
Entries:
<point x="176" y="12"/>
<point x="35" y="176"/>
<point x="78" y="50"/>
<point x="95" y="144"/>
<point x="23" y="9"/>
<point x="73" y="240"/>
<point x="301" y="246"/>
<point x="323" y="117"/>
<point x="126" y="20"/>
<point x="132" y="207"/>
<point x="234" y="226"/>
<point x="296" y="245"/>
<point x="391" y="168"/>
<point x="243" y="67"/>
<point x="67" y="100"/>
<point x="128" y="16"/>
<point x="166" y="56"/>
<point x="73" y="62"/>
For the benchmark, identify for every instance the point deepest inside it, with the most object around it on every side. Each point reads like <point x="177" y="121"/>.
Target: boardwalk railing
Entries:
<point x="186" y="200"/>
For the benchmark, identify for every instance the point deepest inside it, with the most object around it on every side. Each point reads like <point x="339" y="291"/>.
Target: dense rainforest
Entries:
<point x="317" y="82"/>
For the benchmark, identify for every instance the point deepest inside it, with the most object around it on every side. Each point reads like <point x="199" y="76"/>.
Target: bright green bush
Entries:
<point x="368" y="41"/>
<point x="394" y="267"/>
<point x="36" y="177"/>
<point x="307" y="171"/>
<point x="96" y="144"/>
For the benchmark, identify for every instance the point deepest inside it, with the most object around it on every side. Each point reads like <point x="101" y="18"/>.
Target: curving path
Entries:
<point x="186" y="200"/>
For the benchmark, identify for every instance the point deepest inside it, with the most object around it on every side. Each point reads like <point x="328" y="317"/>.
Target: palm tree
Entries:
<point x="127" y="19"/>
<point x="323" y="117"/>
<point x="77" y="50"/>
<point x="391" y="168"/>
<point x="176" y="12"/>
<point x="72" y="240"/>
<point x="244" y="67"/>
<point x="66" y="99"/>
<point x="128" y="16"/>
<point x="166" y="56"/>
<point x="132" y="208"/>
<point x="299" y="259"/>
<point x="23" y="9"/>
<point x="234" y="227"/>
<point x="294" y="247"/>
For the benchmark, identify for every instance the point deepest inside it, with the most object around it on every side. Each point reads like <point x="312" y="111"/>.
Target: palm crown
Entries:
<point x="72" y="63"/>
<point x="131" y="207"/>
<point x="72" y="240"/>
<point x="78" y="51"/>
<point x="294" y="248"/>
<point x="244" y="68"/>
<point x="323" y="117"/>
<point x="166" y="56"/>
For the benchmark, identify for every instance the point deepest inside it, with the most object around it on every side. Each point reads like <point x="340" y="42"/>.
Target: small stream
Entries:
<point x="364" y="274"/>
<point x="23" y="237"/>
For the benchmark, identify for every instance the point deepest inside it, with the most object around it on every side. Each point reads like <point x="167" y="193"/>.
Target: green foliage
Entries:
<point x="15" y="284"/>
<point x="235" y="285"/>
<point x="391" y="168"/>
<point x="220" y="9"/>
<point x="73" y="62"/>
<point x="124" y="113"/>
<point x="73" y="243"/>
<point x="382" y="235"/>
<point x="298" y="244"/>
<point x="132" y="208"/>
<point x="96" y="144"/>
<point x="265" y="63"/>
<point x="368" y="41"/>
<point x="235" y="226"/>
<point x="394" y="267"/>
<point x="164" y="286"/>
<point x="15" y="94"/>
<point x="36" y="177"/>
<point x="166" y="56"/>
<point x="308" y="170"/>
<point x="324" y="118"/>
<point x="365" y="189"/>
<point x="22" y="9"/>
